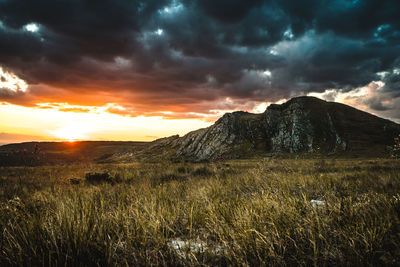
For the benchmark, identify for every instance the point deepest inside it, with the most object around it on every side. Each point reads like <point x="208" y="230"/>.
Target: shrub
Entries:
<point x="99" y="177"/>
<point x="181" y="170"/>
<point x="167" y="177"/>
<point x="74" y="180"/>
<point x="23" y="157"/>
<point x="396" y="147"/>
<point x="203" y="171"/>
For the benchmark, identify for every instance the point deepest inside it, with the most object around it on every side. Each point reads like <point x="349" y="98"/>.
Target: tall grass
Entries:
<point x="250" y="212"/>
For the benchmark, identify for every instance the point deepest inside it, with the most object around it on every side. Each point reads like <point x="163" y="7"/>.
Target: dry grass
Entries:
<point x="243" y="212"/>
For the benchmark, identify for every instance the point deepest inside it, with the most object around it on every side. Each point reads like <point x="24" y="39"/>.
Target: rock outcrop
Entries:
<point x="303" y="124"/>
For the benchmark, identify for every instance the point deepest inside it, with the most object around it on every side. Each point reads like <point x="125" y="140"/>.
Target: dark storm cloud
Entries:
<point x="228" y="10"/>
<point x="159" y="55"/>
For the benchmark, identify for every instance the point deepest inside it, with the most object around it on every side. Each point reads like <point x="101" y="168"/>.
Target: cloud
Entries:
<point x="371" y="98"/>
<point x="189" y="56"/>
<point x="10" y="83"/>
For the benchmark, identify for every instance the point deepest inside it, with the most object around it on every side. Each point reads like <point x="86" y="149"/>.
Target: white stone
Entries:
<point x="317" y="203"/>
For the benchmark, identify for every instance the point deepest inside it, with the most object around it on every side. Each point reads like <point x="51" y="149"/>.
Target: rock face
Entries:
<point x="303" y="124"/>
<point x="232" y="133"/>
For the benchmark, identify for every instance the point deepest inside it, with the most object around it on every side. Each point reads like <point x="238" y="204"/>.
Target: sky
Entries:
<point x="144" y="69"/>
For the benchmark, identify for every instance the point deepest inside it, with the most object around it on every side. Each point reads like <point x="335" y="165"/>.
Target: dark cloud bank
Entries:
<point x="189" y="55"/>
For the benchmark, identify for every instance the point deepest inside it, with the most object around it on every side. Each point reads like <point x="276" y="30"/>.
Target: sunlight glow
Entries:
<point x="267" y="73"/>
<point x="31" y="27"/>
<point x="159" y="31"/>
<point x="288" y="34"/>
<point x="174" y="7"/>
<point x="12" y="82"/>
<point x="273" y="52"/>
<point x="62" y="122"/>
<point x="71" y="132"/>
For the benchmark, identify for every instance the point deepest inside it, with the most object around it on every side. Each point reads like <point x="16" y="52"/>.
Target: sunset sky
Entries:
<point x="140" y="70"/>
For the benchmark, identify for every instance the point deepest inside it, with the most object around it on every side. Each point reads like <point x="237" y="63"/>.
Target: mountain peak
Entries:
<point x="302" y="100"/>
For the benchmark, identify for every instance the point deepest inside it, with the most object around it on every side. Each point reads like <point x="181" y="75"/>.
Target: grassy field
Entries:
<point x="242" y="212"/>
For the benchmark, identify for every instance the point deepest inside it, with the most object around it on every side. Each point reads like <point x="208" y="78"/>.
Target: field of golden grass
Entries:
<point x="242" y="212"/>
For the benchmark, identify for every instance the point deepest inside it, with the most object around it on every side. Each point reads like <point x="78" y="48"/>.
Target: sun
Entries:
<point x="70" y="133"/>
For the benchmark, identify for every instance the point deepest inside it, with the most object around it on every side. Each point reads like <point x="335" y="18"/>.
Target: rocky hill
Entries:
<point x="302" y="124"/>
